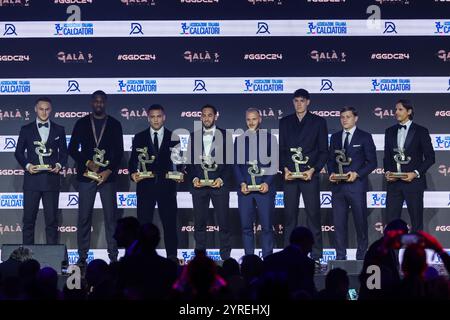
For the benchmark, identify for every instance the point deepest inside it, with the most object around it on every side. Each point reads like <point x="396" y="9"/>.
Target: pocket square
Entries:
<point x="356" y="145"/>
<point x="57" y="138"/>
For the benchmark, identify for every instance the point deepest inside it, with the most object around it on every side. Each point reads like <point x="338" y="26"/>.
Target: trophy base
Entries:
<point x="174" y="175"/>
<point x="398" y="175"/>
<point x="206" y="183"/>
<point x="93" y="175"/>
<point x="43" y="167"/>
<point x="298" y="175"/>
<point x="341" y="177"/>
<point x="254" y="187"/>
<point x="145" y="175"/>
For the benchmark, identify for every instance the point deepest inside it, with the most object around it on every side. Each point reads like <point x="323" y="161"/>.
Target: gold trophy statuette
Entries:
<point x="208" y="165"/>
<point x="177" y="159"/>
<point x="298" y="159"/>
<point x="144" y="159"/>
<point x="342" y="160"/>
<point x="41" y="151"/>
<point x="99" y="160"/>
<point x="400" y="158"/>
<point x="254" y="171"/>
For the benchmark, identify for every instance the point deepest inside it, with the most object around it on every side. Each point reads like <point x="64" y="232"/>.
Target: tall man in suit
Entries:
<point x="414" y="142"/>
<point x="157" y="190"/>
<point x="97" y="147"/>
<point x="357" y="147"/>
<point x="256" y="145"/>
<point x="215" y="143"/>
<point x="47" y="138"/>
<point x="307" y="131"/>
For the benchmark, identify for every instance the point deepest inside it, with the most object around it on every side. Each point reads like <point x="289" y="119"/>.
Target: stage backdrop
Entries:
<point x="232" y="54"/>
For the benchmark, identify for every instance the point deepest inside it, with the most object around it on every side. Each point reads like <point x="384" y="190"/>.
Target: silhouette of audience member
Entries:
<point x="99" y="283"/>
<point x="47" y="284"/>
<point x="384" y="254"/>
<point x="293" y="264"/>
<point x="336" y="285"/>
<point x="233" y="278"/>
<point x="9" y="273"/>
<point x="199" y="281"/>
<point x="251" y="270"/>
<point x="28" y="271"/>
<point x="126" y="234"/>
<point x="145" y="274"/>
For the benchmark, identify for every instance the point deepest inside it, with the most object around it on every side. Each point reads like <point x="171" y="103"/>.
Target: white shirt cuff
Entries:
<point x="27" y="166"/>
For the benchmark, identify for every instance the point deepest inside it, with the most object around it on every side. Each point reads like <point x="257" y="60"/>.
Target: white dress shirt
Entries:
<point x="401" y="135"/>
<point x="160" y="135"/>
<point x="350" y="136"/>
<point x="43" y="131"/>
<point x="208" y="139"/>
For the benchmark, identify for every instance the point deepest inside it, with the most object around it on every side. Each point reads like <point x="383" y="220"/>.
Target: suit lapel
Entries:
<point x="410" y="135"/>
<point x="339" y="140"/>
<point x="394" y="137"/>
<point x="51" y="134"/>
<point x="35" y="133"/>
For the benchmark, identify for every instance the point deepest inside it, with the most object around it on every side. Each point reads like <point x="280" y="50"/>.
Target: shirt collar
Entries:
<point x="39" y="121"/>
<point x="160" y="131"/>
<point x="408" y="124"/>
<point x="212" y="129"/>
<point x="352" y="131"/>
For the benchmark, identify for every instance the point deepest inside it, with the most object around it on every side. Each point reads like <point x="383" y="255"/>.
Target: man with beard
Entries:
<point x="207" y="151"/>
<point x="97" y="148"/>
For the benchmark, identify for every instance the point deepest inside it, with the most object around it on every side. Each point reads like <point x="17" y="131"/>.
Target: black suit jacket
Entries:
<point x="112" y="143"/>
<point x="296" y="266"/>
<point x="42" y="181"/>
<point x="362" y="150"/>
<point x="311" y="134"/>
<point x="160" y="166"/>
<point x="224" y="169"/>
<point x="417" y="146"/>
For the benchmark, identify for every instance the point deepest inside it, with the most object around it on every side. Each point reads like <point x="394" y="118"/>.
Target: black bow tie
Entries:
<point x="399" y="126"/>
<point x="43" y="125"/>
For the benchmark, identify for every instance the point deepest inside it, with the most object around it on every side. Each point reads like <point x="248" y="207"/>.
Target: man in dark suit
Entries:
<point x="308" y="131"/>
<point x="256" y="145"/>
<point x="357" y="145"/>
<point x="41" y="184"/>
<point x="415" y="143"/>
<point x="158" y="141"/>
<point x="293" y="263"/>
<point x="211" y="142"/>
<point x="97" y="146"/>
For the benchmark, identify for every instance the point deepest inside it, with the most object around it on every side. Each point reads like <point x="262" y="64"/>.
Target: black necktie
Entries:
<point x="399" y="126"/>
<point x="42" y="125"/>
<point x="347" y="134"/>
<point x="156" y="142"/>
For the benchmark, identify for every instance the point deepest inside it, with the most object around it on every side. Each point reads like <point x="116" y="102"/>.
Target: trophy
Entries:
<point x="98" y="159"/>
<point x="400" y="158"/>
<point x="177" y="159"/>
<point x="341" y="160"/>
<point x="298" y="159"/>
<point x="144" y="159"/>
<point x="254" y="172"/>
<point x="208" y="165"/>
<point x="41" y="151"/>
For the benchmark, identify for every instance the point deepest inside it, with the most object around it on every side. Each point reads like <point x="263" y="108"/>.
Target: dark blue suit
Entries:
<point x="311" y="134"/>
<point x="362" y="151"/>
<point x="43" y="185"/>
<point x="220" y="197"/>
<point x="159" y="189"/>
<point x="417" y="146"/>
<point x="264" y="202"/>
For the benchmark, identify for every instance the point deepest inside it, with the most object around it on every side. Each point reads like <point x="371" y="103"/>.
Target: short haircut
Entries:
<point x="249" y="110"/>
<point x="99" y="93"/>
<point x="301" y="93"/>
<point x="156" y="107"/>
<point x="210" y="107"/>
<point x="43" y="99"/>
<point x="351" y="109"/>
<point x="407" y="104"/>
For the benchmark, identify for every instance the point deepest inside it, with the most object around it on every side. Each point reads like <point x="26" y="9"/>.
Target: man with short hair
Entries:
<point x="42" y="140"/>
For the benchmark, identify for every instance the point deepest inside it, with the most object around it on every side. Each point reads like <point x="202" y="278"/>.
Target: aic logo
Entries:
<point x="378" y="199"/>
<point x="442" y="27"/>
<point x="20" y="86"/>
<point x="202" y="56"/>
<point x="263" y="28"/>
<point x="327" y="85"/>
<point x="137" y="86"/>
<point x="73" y="86"/>
<point x="442" y="142"/>
<point x="383" y="113"/>
<point x="327" y="56"/>
<point x="136" y="28"/>
<point x="200" y="28"/>
<point x="263" y="85"/>
<point x="199" y="85"/>
<point x="74" y="29"/>
<point x="10" y="30"/>
<point x="390" y="27"/>
<point x="75" y="57"/>
<point x="391" y="85"/>
<point x="327" y="27"/>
